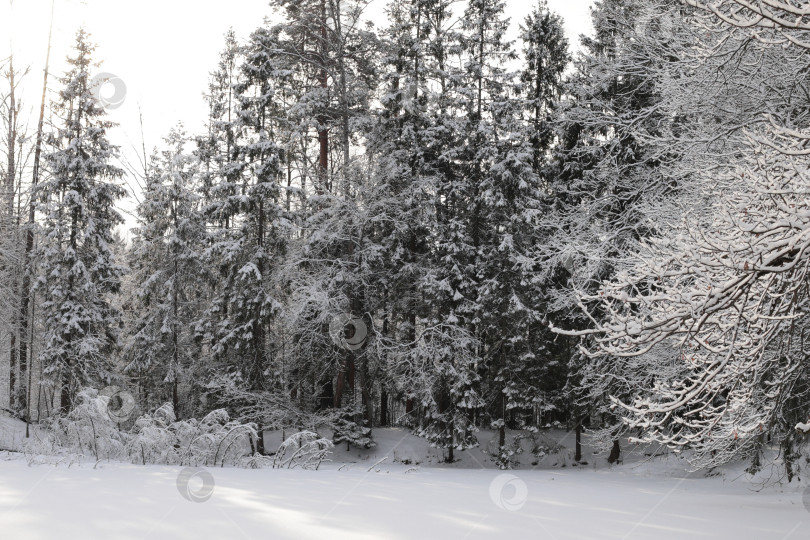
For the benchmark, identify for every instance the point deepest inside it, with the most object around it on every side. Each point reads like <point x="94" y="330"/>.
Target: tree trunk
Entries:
<point x="450" y="456"/>
<point x="615" y="453"/>
<point x="341" y="382"/>
<point x="345" y="379"/>
<point x="175" y="400"/>
<point x="30" y="370"/>
<point x="327" y="397"/>
<point x="10" y="237"/>
<point x="323" y="133"/>
<point x="365" y="394"/>
<point x="502" y="428"/>
<point x="383" y="408"/>
<point x="260" y="449"/>
<point x="65" y="395"/>
<point x="259" y="346"/>
<point x="175" y="345"/>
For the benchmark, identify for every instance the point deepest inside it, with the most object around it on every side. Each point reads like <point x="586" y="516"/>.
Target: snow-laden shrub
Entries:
<point x="518" y="443"/>
<point x="87" y="429"/>
<point x="44" y="447"/>
<point x="305" y="449"/>
<point x="543" y="445"/>
<point x="214" y="440"/>
<point x="256" y="461"/>
<point x="150" y="439"/>
<point x="274" y="411"/>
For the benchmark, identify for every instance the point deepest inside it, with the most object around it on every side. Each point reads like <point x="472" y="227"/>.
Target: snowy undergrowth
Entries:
<point x="87" y="435"/>
<point x="88" y="432"/>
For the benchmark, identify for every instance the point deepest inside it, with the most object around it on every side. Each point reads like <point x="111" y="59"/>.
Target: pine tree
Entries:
<point x="77" y="272"/>
<point x="330" y="55"/>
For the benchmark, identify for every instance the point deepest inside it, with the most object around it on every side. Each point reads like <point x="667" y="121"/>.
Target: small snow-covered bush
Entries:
<point x="353" y="434"/>
<point x="305" y="449"/>
<point x="87" y="429"/>
<point x="151" y="440"/>
<point x="214" y="440"/>
<point x="44" y="447"/>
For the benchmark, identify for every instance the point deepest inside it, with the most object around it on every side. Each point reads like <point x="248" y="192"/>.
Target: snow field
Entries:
<point x="128" y="501"/>
<point x="399" y="489"/>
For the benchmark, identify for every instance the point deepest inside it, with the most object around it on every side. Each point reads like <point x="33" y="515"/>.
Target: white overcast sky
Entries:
<point x="164" y="49"/>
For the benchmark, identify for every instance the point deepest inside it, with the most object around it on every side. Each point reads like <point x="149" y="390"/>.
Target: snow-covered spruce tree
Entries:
<point x="399" y="196"/>
<point x="216" y="147"/>
<point x="429" y="358"/>
<point x="487" y="227"/>
<point x="523" y="358"/>
<point x="167" y="269"/>
<point x="440" y="373"/>
<point x="400" y="204"/>
<point x="545" y="59"/>
<point x="216" y="151"/>
<point x="252" y="225"/>
<point x="244" y="139"/>
<point x="452" y="398"/>
<point x="77" y="271"/>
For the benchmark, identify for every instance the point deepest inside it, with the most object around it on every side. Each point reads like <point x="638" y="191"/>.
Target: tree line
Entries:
<point x="429" y="225"/>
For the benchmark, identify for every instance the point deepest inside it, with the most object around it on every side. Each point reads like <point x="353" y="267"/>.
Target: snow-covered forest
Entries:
<point x="421" y="226"/>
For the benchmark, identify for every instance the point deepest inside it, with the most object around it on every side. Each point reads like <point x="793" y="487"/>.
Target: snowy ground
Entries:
<point x="354" y="498"/>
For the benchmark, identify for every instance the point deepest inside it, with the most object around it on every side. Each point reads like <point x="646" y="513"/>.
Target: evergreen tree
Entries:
<point x="217" y="153"/>
<point x="243" y="204"/>
<point x="168" y="267"/>
<point x="78" y="272"/>
<point x="446" y="349"/>
<point x="215" y="149"/>
<point x="545" y="59"/>
<point x="400" y="204"/>
<point x="500" y="214"/>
